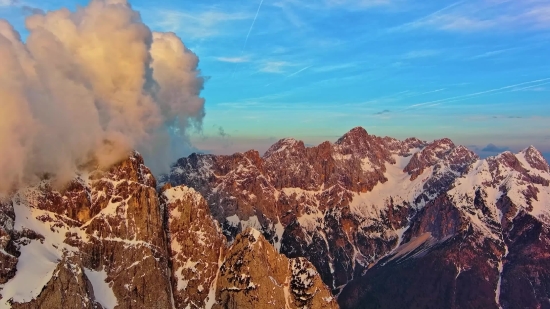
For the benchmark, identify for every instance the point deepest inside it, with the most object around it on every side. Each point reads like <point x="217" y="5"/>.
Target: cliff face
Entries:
<point x="366" y="222"/>
<point x="110" y="240"/>
<point x="389" y="223"/>
<point x="253" y="274"/>
<point x="100" y="243"/>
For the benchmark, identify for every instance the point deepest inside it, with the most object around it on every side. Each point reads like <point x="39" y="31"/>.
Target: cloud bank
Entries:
<point x="494" y="148"/>
<point x="89" y="86"/>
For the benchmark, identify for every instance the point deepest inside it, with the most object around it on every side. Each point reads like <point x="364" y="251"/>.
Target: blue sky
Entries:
<point x="477" y="72"/>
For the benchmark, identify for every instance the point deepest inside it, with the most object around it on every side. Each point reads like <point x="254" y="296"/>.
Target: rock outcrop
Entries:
<point x="109" y="239"/>
<point x="376" y="216"/>
<point x="253" y="274"/>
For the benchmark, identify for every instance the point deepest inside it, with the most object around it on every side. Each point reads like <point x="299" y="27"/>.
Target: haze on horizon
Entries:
<point x="477" y="72"/>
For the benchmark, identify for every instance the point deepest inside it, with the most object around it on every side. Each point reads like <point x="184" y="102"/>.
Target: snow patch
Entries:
<point x="102" y="290"/>
<point x="34" y="270"/>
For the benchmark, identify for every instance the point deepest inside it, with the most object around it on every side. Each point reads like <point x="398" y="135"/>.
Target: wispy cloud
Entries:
<point x="233" y="59"/>
<point x="252" y="26"/>
<point x="483" y="15"/>
<point x="299" y="71"/>
<point x="334" y="67"/>
<point x="289" y="76"/>
<point x="418" y="23"/>
<point x="537" y="87"/>
<point x="344" y="4"/>
<point x="358" y="3"/>
<point x="493" y="53"/>
<point x="275" y="66"/>
<point x="5" y="3"/>
<point x="195" y="25"/>
<point x="424" y="53"/>
<point x="537" y="82"/>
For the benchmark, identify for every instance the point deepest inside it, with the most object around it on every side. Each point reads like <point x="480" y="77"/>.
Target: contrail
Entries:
<point x="476" y="94"/>
<point x="289" y="76"/>
<point x="427" y="17"/>
<point x="248" y="35"/>
<point x="252" y="26"/>
<point x="299" y="71"/>
<point x="532" y="86"/>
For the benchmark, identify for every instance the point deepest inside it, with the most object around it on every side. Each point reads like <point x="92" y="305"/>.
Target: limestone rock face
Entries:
<point x="69" y="287"/>
<point x="254" y="275"/>
<point x="8" y="254"/>
<point x="109" y="240"/>
<point x="365" y="222"/>
<point x="390" y="223"/>
<point x="105" y="224"/>
<point x="196" y="247"/>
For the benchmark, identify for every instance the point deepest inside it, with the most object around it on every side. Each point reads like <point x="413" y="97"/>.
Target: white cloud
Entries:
<point x="275" y="66"/>
<point x="335" y="67"/>
<point x="423" y="53"/>
<point x="233" y="59"/>
<point x="485" y="15"/>
<point x="89" y="86"/>
<point x="4" y="3"/>
<point x="196" y="25"/>
<point x="345" y="4"/>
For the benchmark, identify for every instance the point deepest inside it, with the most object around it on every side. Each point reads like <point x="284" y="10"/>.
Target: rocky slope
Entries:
<point x="389" y="223"/>
<point x="110" y="240"/>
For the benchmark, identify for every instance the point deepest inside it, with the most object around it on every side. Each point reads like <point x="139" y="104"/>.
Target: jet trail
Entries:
<point x="289" y="76"/>
<point x="248" y="35"/>
<point x="252" y="26"/>
<point x="298" y="71"/>
<point x="447" y="100"/>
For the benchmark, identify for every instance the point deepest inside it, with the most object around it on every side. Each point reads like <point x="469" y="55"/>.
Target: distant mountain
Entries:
<point x="366" y="222"/>
<point x="390" y="223"/>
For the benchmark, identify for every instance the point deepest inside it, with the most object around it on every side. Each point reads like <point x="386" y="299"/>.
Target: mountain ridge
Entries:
<point x="365" y="222"/>
<point x="111" y="240"/>
<point x="349" y="204"/>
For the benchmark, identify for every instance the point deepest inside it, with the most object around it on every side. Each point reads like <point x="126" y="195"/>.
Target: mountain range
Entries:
<point x="365" y="222"/>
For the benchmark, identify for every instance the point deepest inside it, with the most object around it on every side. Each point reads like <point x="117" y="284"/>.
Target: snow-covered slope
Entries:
<point x="110" y="240"/>
<point x="348" y="206"/>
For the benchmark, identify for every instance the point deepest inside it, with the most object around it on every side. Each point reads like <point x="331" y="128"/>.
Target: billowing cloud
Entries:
<point x="89" y="86"/>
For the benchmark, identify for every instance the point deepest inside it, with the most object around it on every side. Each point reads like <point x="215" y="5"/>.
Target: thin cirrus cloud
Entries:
<point x="275" y="66"/>
<point x="465" y="16"/>
<point x="233" y="59"/>
<point x="196" y="25"/>
<point x="7" y="3"/>
<point x="344" y="4"/>
<point x="424" y="53"/>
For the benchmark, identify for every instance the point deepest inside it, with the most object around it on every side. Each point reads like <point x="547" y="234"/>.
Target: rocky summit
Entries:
<point x="110" y="239"/>
<point x="391" y="223"/>
<point x="364" y="222"/>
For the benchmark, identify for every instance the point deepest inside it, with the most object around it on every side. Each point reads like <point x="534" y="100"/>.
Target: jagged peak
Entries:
<point x="249" y="237"/>
<point x="133" y="168"/>
<point x="284" y="145"/>
<point x="531" y="150"/>
<point x="353" y="134"/>
<point x="444" y="143"/>
<point x="534" y="158"/>
<point x="181" y="193"/>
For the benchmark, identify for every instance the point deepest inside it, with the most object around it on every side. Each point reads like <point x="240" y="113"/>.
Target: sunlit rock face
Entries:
<point x="109" y="239"/>
<point x="98" y="243"/>
<point x="390" y="223"/>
